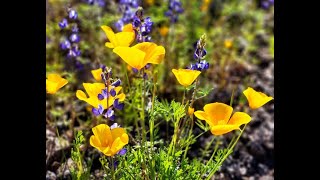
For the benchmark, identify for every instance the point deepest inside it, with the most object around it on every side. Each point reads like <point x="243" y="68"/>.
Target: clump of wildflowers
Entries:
<point x="103" y="96"/>
<point x="128" y="9"/>
<point x="174" y="9"/>
<point x="199" y="55"/>
<point x="70" y="43"/>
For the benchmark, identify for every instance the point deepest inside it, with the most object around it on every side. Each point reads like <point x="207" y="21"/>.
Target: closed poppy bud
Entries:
<point x="190" y="111"/>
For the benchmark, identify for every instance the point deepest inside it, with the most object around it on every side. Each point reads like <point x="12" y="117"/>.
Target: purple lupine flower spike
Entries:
<point x="113" y="92"/>
<point x="110" y="114"/>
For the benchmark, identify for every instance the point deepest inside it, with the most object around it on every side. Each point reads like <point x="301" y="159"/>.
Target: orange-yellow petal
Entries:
<point x="96" y="73"/>
<point x="81" y="95"/>
<point x="111" y="36"/>
<point x="256" y="99"/>
<point x="132" y="56"/>
<point x="190" y="111"/>
<point x="125" y="38"/>
<point x="239" y="118"/>
<point x="218" y="112"/>
<point x="127" y="28"/>
<point x="204" y="116"/>
<point x="121" y="96"/>
<point x="223" y="129"/>
<point x="186" y="76"/>
<point x="51" y="87"/>
<point x="154" y="53"/>
<point x="103" y="133"/>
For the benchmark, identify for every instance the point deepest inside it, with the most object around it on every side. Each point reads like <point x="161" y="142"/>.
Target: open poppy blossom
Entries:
<point x="108" y="141"/>
<point x="186" y="76"/>
<point x="124" y="38"/>
<point x="217" y="115"/>
<point x="54" y="82"/>
<point x="256" y="99"/>
<point x="96" y="73"/>
<point x="94" y="89"/>
<point x="141" y="54"/>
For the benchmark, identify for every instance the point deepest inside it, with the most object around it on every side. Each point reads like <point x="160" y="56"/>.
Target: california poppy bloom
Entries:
<point x="256" y="99"/>
<point x="54" y="82"/>
<point x="186" y="76"/>
<point x="124" y="38"/>
<point x="217" y="115"/>
<point x="108" y="141"/>
<point x="141" y="54"/>
<point x="96" y="73"/>
<point x="94" y="89"/>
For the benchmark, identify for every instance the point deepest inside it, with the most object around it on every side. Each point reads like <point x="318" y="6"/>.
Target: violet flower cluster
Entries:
<point x="70" y="44"/>
<point x="199" y="55"/>
<point x="128" y="9"/>
<point x="174" y="9"/>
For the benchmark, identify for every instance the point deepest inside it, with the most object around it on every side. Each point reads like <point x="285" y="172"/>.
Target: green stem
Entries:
<point x="214" y="152"/>
<point x="229" y="151"/>
<point x="207" y="147"/>
<point x="112" y="169"/>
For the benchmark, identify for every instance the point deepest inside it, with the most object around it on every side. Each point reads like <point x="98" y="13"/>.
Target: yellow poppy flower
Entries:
<point x="54" y="82"/>
<point x="96" y="73"/>
<point x="109" y="142"/>
<point x="228" y="43"/>
<point x="164" y="31"/>
<point x="93" y="89"/>
<point x="141" y="54"/>
<point x="217" y="115"/>
<point x="124" y="38"/>
<point x="256" y="99"/>
<point x="186" y="76"/>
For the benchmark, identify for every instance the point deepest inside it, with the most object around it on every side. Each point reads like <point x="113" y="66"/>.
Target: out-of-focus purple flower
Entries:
<point x="73" y="14"/>
<point x="118" y="105"/>
<point x="135" y="70"/>
<point x="74" y="38"/>
<point x="174" y="9"/>
<point x="97" y="111"/>
<point x="65" y="44"/>
<point x="75" y="29"/>
<point x="122" y="152"/>
<point x="266" y="4"/>
<point x="127" y="8"/>
<point x="145" y="76"/>
<point x="63" y="24"/>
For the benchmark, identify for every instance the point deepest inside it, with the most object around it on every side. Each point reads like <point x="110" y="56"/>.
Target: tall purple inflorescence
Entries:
<point x="174" y="9"/>
<point x="199" y="56"/>
<point x="70" y="43"/>
<point x="128" y="9"/>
